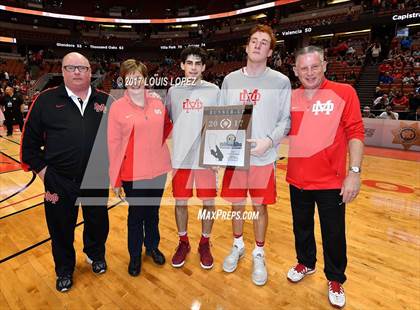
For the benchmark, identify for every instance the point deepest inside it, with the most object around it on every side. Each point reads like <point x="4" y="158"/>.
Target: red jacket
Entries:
<point x="401" y="102"/>
<point x="321" y="128"/>
<point x="137" y="140"/>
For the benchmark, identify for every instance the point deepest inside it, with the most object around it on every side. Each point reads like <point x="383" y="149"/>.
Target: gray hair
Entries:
<point x="310" y="49"/>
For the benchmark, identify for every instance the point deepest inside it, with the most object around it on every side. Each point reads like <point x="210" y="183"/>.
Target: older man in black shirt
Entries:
<point x="13" y="107"/>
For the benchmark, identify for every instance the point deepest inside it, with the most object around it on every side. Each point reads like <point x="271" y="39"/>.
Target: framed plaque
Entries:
<point x="223" y="136"/>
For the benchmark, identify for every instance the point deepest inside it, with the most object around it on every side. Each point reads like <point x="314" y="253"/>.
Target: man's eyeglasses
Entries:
<point x="71" y="68"/>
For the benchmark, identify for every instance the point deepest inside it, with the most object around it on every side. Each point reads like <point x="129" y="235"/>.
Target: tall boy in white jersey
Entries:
<point x="269" y="92"/>
<point x="185" y="104"/>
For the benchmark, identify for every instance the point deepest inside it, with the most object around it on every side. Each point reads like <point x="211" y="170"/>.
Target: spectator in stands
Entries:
<point x="399" y="63"/>
<point x="351" y="51"/>
<point x="386" y="79"/>
<point x="416" y="52"/>
<point x="388" y="114"/>
<point x="392" y="93"/>
<point x="401" y="4"/>
<point x="409" y="78"/>
<point x="351" y="76"/>
<point x="400" y="101"/>
<point x="394" y="4"/>
<point x="381" y="102"/>
<point x="385" y="67"/>
<point x="406" y="43"/>
<point x="409" y="60"/>
<point x="350" y="62"/>
<point x="378" y="92"/>
<point x="27" y="77"/>
<point x="376" y="52"/>
<point x="340" y="49"/>
<point x="367" y="114"/>
<point x="360" y="59"/>
<point x="376" y="5"/>
<point x="394" y="43"/>
<point x="397" y="74"/>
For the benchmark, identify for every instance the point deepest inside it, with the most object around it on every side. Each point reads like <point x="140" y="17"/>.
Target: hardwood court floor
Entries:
<point x="383" y="235"/>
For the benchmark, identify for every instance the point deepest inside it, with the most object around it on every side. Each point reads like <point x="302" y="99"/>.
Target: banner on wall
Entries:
<point x="395" y="134"/>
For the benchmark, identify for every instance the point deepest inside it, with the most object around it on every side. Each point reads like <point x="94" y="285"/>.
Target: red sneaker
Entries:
<point x="206" y="259"/>
<point x="178" y="260"/>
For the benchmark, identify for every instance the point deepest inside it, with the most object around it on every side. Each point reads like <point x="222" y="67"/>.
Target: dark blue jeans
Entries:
<point x="144" y="199"/>
<point x="331" y="212"/>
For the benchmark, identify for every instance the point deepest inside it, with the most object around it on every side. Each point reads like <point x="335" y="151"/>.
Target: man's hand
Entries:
<point x="117" y="191"/>
<point x="351" y="187"/>
<point x="41" y="174"/>
<point x="215" y="168"/>
<point x="261" y="146"/>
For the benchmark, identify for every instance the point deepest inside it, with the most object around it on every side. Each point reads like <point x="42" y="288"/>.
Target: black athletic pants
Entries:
<point x="9" y="120"/>
<point x="331" y="212"/>
<point x="61" y="210"/>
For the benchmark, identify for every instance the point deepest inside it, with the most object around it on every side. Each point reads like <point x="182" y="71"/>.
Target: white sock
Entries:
<point x="205" y="235"/>
<point x="182" y="233"/>
<point x="239" y="242"/>
<point x="258" y="250"/>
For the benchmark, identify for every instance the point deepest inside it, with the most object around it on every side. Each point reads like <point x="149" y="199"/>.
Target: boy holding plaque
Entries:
<point x="269" y="92"/>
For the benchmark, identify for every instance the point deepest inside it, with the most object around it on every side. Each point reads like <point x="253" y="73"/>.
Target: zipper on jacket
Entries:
<point x="82" y="144"/>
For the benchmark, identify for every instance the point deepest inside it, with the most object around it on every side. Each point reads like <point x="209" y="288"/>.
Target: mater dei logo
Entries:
<point x="319" y="107"/>
<point x="407" y="135"/>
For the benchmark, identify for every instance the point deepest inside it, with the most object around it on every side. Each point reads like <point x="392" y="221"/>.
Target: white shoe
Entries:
<point x="298" y="272"/>
<point x="259" y="272"/>
<point x="336" y="294"/>
<point x="231" y="261"/>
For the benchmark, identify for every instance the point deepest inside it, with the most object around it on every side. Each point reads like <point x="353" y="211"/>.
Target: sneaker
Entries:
<point x="98" y="266"/>
<point x="298" y="272"/>
<point x="64" y="283"/>
<point x="231" y="261"/>
<point x="178" y="260"/>
<point x="259" y="273"/>
<point x="336" y="294"/>
<point x="206" y="259"/>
